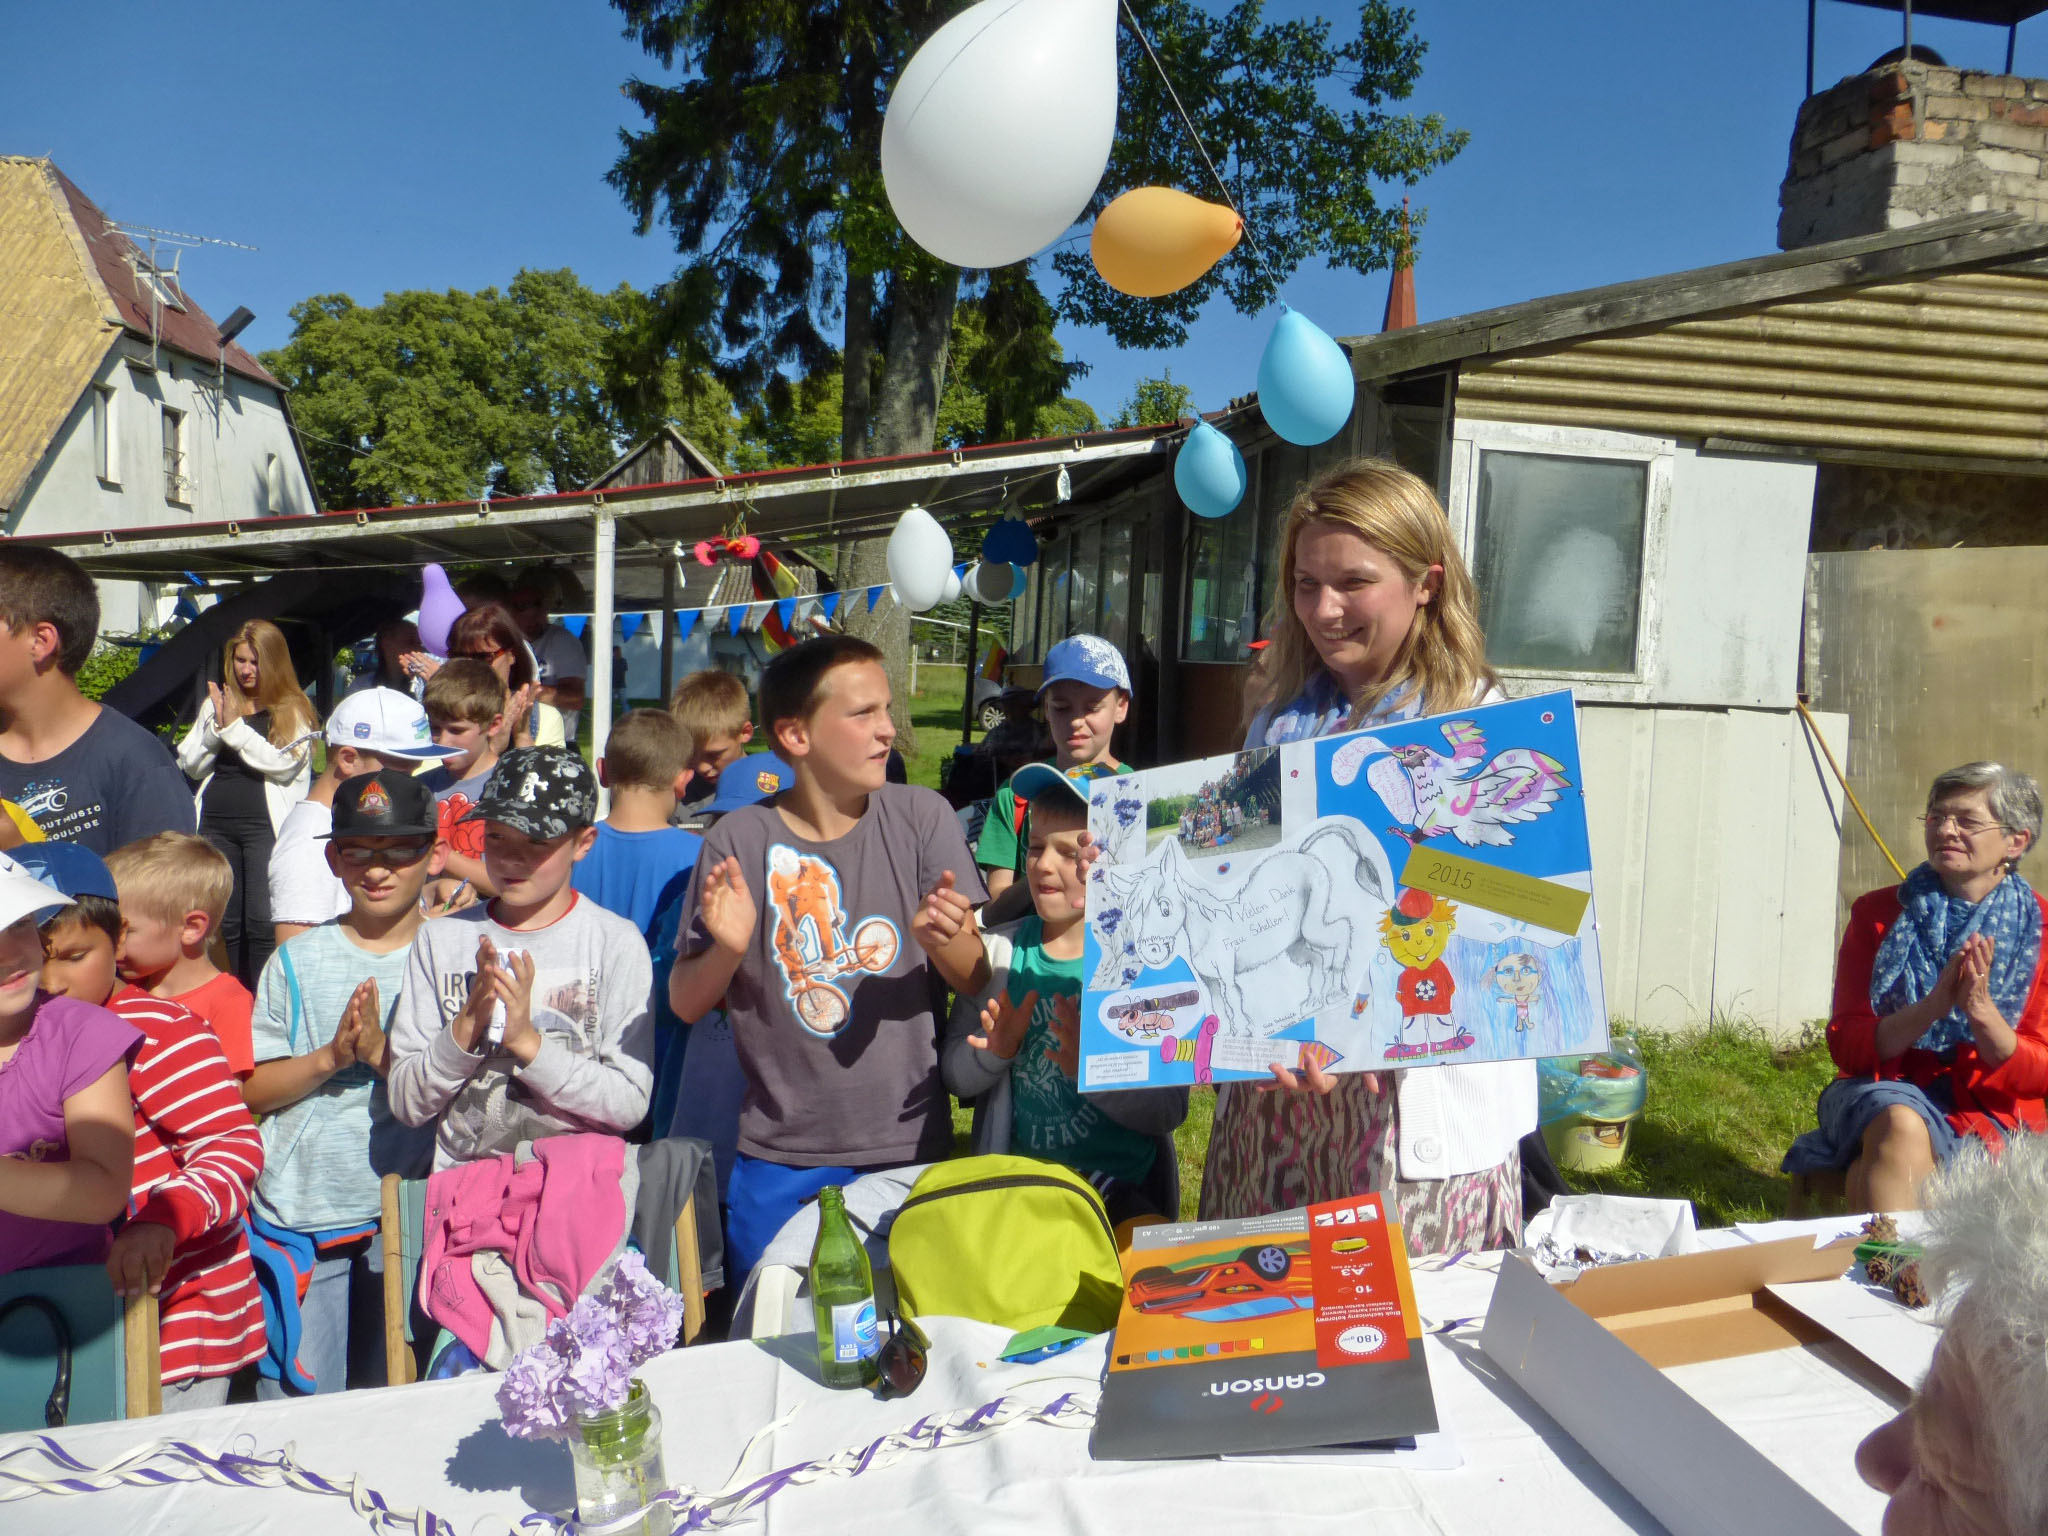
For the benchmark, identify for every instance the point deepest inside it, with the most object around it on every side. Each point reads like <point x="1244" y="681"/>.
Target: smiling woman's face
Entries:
<point x="1356" y="603"/>
<point x="1965" y="841"/>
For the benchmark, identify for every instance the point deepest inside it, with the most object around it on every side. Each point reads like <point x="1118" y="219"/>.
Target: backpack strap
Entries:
<point x="291" y="981"/>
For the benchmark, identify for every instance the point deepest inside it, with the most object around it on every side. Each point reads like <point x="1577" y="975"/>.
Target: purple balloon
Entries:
<point x="439" y="609"/>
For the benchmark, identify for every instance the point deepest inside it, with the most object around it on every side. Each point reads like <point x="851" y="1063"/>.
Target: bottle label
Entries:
<point x="854" y="1336"/>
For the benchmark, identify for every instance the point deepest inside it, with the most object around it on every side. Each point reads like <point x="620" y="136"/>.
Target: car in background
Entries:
<point x="1259" y="1282"/>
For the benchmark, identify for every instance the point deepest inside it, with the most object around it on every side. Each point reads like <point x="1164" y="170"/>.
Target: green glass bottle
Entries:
<point x="843" y="1294"/>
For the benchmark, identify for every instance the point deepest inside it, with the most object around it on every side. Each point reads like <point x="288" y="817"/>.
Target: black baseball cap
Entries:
<point x="388" y="803"/>
<point x="541" y="791"/>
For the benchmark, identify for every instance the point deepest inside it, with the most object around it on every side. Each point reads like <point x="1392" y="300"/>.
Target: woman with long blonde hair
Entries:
<point x="1375" y="619"/>
<point x="251" y="751"/>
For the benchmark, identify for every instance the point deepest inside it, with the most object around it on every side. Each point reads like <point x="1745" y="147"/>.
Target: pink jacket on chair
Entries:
<point x="558" y="1218"/>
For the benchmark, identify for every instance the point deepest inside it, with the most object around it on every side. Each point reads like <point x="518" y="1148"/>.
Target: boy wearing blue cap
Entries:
<point x="1086" y="693"/>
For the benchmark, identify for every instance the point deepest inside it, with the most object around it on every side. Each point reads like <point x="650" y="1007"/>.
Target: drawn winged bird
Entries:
<point x="1464" y="793"/>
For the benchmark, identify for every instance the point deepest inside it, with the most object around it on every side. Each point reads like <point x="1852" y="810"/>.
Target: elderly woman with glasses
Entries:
<point x="1940" y="1025"/>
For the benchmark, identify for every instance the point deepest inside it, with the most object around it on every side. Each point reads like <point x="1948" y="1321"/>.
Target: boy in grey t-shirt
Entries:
<point x="799" y="918"/>
<point x="526" y="1016"/>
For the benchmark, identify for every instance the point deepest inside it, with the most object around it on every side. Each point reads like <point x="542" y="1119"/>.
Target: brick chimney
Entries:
<point x="1911" y="141"/>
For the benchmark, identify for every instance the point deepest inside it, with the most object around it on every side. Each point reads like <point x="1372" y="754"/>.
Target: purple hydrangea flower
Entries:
<point x="585" y="1362"/>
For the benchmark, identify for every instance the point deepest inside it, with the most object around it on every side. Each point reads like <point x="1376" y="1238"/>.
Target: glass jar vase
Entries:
<point x="617" y="1458"/>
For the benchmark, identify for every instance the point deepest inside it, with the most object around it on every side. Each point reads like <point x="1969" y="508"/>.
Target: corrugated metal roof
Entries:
<point x="1953" y="365"/>
<point x="1967" y="242"/>
<point x="965" y="488"/>
<point x="56" y="320"/>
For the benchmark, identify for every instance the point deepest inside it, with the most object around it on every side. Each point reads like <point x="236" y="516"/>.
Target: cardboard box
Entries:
<point x="1591" y="1354"/>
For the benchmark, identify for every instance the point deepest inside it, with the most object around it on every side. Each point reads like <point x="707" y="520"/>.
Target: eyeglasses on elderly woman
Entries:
<point x="1968" y="825"/>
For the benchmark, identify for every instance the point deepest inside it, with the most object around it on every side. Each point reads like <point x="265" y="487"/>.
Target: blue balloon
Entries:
<point x="1305" y="384"/>
<point x="1010" y="542"/>
<point x="1209" y="472"/>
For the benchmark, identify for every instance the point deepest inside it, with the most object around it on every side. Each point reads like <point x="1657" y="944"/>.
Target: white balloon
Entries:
<point x="1000" y="127"/>
<point x="992" y="582"/>
<point x="920" y="560"/>
<point x="952" y="586"/>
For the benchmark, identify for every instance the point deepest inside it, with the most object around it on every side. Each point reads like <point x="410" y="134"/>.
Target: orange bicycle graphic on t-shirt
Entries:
<point x="810" y="940"/>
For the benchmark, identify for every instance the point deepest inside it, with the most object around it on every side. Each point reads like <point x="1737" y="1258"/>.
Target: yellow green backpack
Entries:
<point x="1007" y="1240"/>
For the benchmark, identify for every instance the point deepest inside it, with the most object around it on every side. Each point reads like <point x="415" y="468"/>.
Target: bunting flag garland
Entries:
<point x="780" y="619"/>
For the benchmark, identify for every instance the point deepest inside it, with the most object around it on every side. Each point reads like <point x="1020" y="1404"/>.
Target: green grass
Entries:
<point x="1723" y="1104"/>
<point x="935" y="712"/>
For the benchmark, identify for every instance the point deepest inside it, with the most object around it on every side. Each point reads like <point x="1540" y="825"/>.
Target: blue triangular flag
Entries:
<point x="735" y="616"/>
<point x="786" y="611"/>
<point x="575" y="623"/>
<point x="686" y="620"/>
<point x="875" y="596"/>
<point x="960" y="569"/>
<point x="629" y="624"/>
<point x="829" y="604"/>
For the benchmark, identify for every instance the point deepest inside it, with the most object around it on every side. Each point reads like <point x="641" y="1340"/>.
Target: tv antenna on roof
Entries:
<point x="160" y="285"/>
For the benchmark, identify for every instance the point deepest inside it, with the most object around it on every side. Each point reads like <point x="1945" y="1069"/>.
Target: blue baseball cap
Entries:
<point x="69" y="868"/>
<point x="750" y="781"/>
<point x="1034" y="780"/>
<point x="1086" y="659"/>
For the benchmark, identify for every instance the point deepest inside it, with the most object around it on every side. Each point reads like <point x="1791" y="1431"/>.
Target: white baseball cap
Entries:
<point x="386" y="722"/>
<point x="23" y="895"/>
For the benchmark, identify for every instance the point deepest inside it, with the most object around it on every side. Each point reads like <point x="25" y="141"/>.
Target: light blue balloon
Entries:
<point x="1209" y="472"/>
<point x="1305" y="385"/>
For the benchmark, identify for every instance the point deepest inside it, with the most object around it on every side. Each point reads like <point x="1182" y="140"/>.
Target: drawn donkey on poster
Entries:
<point x="1291" y="903"/>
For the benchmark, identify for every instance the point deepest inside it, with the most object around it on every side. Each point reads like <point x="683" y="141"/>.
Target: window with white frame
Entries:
<point x="106" y="442"/>
<point x="1559" y="525"/>
<point x="273" y="485"/>
<point x="177" y="462"/>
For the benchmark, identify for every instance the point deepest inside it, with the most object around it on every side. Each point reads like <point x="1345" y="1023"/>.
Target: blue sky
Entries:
<point x="380" y="146"/>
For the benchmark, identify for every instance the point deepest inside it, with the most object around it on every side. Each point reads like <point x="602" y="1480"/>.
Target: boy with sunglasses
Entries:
<point x="323" y="1009"/>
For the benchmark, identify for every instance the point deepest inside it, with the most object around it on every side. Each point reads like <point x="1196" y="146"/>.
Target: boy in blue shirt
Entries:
<point x="640" y="867"/>
<point x="320" y="1034"/>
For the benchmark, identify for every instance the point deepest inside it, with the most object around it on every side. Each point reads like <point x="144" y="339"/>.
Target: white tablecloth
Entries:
<point x="438" y="1445"/>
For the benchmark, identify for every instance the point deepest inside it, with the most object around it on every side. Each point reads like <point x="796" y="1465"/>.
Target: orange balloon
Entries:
<point x="1156" y="240"/>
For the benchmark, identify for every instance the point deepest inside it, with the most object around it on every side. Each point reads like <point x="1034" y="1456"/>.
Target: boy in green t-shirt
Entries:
<point x="1086" y="694"/>
<point x="1018" y="1054"/>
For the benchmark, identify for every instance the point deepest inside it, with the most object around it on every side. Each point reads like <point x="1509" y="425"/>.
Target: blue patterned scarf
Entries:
<point x="1931" y="928"/>
<point x="1321" y="709"/>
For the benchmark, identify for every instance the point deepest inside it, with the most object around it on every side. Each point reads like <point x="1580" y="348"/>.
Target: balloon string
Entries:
<point x="1195" y="138"/>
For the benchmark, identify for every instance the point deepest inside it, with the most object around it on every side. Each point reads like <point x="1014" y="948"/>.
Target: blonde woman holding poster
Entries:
<point x="1375" y="620"/>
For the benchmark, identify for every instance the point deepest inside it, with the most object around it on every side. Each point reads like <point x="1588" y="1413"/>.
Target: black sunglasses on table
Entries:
<point x="903" y="1358"/>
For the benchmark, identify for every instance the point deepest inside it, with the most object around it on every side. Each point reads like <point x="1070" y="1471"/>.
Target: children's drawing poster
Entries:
<point x="1418" y="894"/>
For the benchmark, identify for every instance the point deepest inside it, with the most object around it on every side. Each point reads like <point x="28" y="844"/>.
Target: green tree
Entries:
<point x="447" y="396"/>
<point x="763" y="162"/>
<point x="1156" y="402"/>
